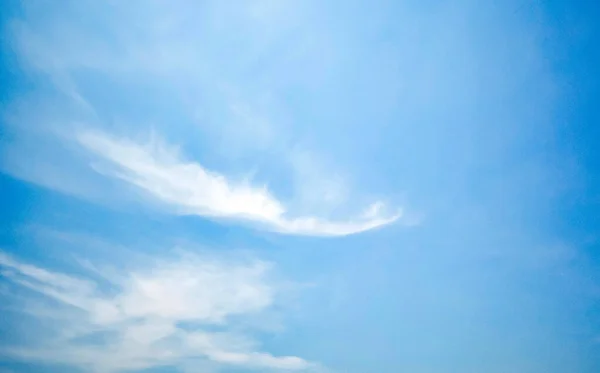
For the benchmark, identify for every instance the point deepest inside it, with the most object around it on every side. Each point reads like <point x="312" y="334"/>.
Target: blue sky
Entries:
<point x="299" y="186"/>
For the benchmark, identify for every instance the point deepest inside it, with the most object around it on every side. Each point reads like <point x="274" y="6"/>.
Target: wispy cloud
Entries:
<point x="195" y="190"/>
<point x="138" y="323"/>
<point x="240" y="118"/>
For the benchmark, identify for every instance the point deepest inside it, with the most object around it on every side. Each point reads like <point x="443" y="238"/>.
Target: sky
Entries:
<point x="299" y="186"/>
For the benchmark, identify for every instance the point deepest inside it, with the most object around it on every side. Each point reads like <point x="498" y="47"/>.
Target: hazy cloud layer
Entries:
<point x="164" y="81"/>
<point x="135" y="322"/>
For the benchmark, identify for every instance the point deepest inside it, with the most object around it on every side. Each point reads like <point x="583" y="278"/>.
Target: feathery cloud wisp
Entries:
<point x="138" y="325"/>
<point x="241" y="120"/>
<point x="192" y="189"/>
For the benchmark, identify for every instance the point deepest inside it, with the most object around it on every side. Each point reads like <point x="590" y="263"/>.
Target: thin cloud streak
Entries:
<point x="195" y="190"/>
<point x="241" y="122"/>
<point x="138" y="326"/>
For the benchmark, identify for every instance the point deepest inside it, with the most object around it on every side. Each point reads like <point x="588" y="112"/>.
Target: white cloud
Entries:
<point x="242" y="123"/>
<point x="193" y="189"/>
<point x="138" y="325"/>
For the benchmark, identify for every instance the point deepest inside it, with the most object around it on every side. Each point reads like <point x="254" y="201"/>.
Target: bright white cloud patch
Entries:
<point x="137" y="325"/>
<point x="100" y="70"/>
<point x="194" y="190"/>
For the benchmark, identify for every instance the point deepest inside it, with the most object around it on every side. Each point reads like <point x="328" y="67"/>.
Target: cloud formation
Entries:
<point x="98" y="83"/>
<point x="192" y="189"/>
<point x="138" y="321"/>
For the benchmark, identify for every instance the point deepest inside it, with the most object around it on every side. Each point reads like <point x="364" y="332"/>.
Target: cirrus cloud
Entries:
<point x="139" y="321"/>
<point x="192" y="189"/>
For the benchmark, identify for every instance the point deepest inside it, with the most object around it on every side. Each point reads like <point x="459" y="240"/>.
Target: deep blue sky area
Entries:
<point x="300" y="186"/>
<point x="577" y="57"/>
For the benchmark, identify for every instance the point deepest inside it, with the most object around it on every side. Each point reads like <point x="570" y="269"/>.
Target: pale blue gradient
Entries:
<point x="477" y="119"/>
